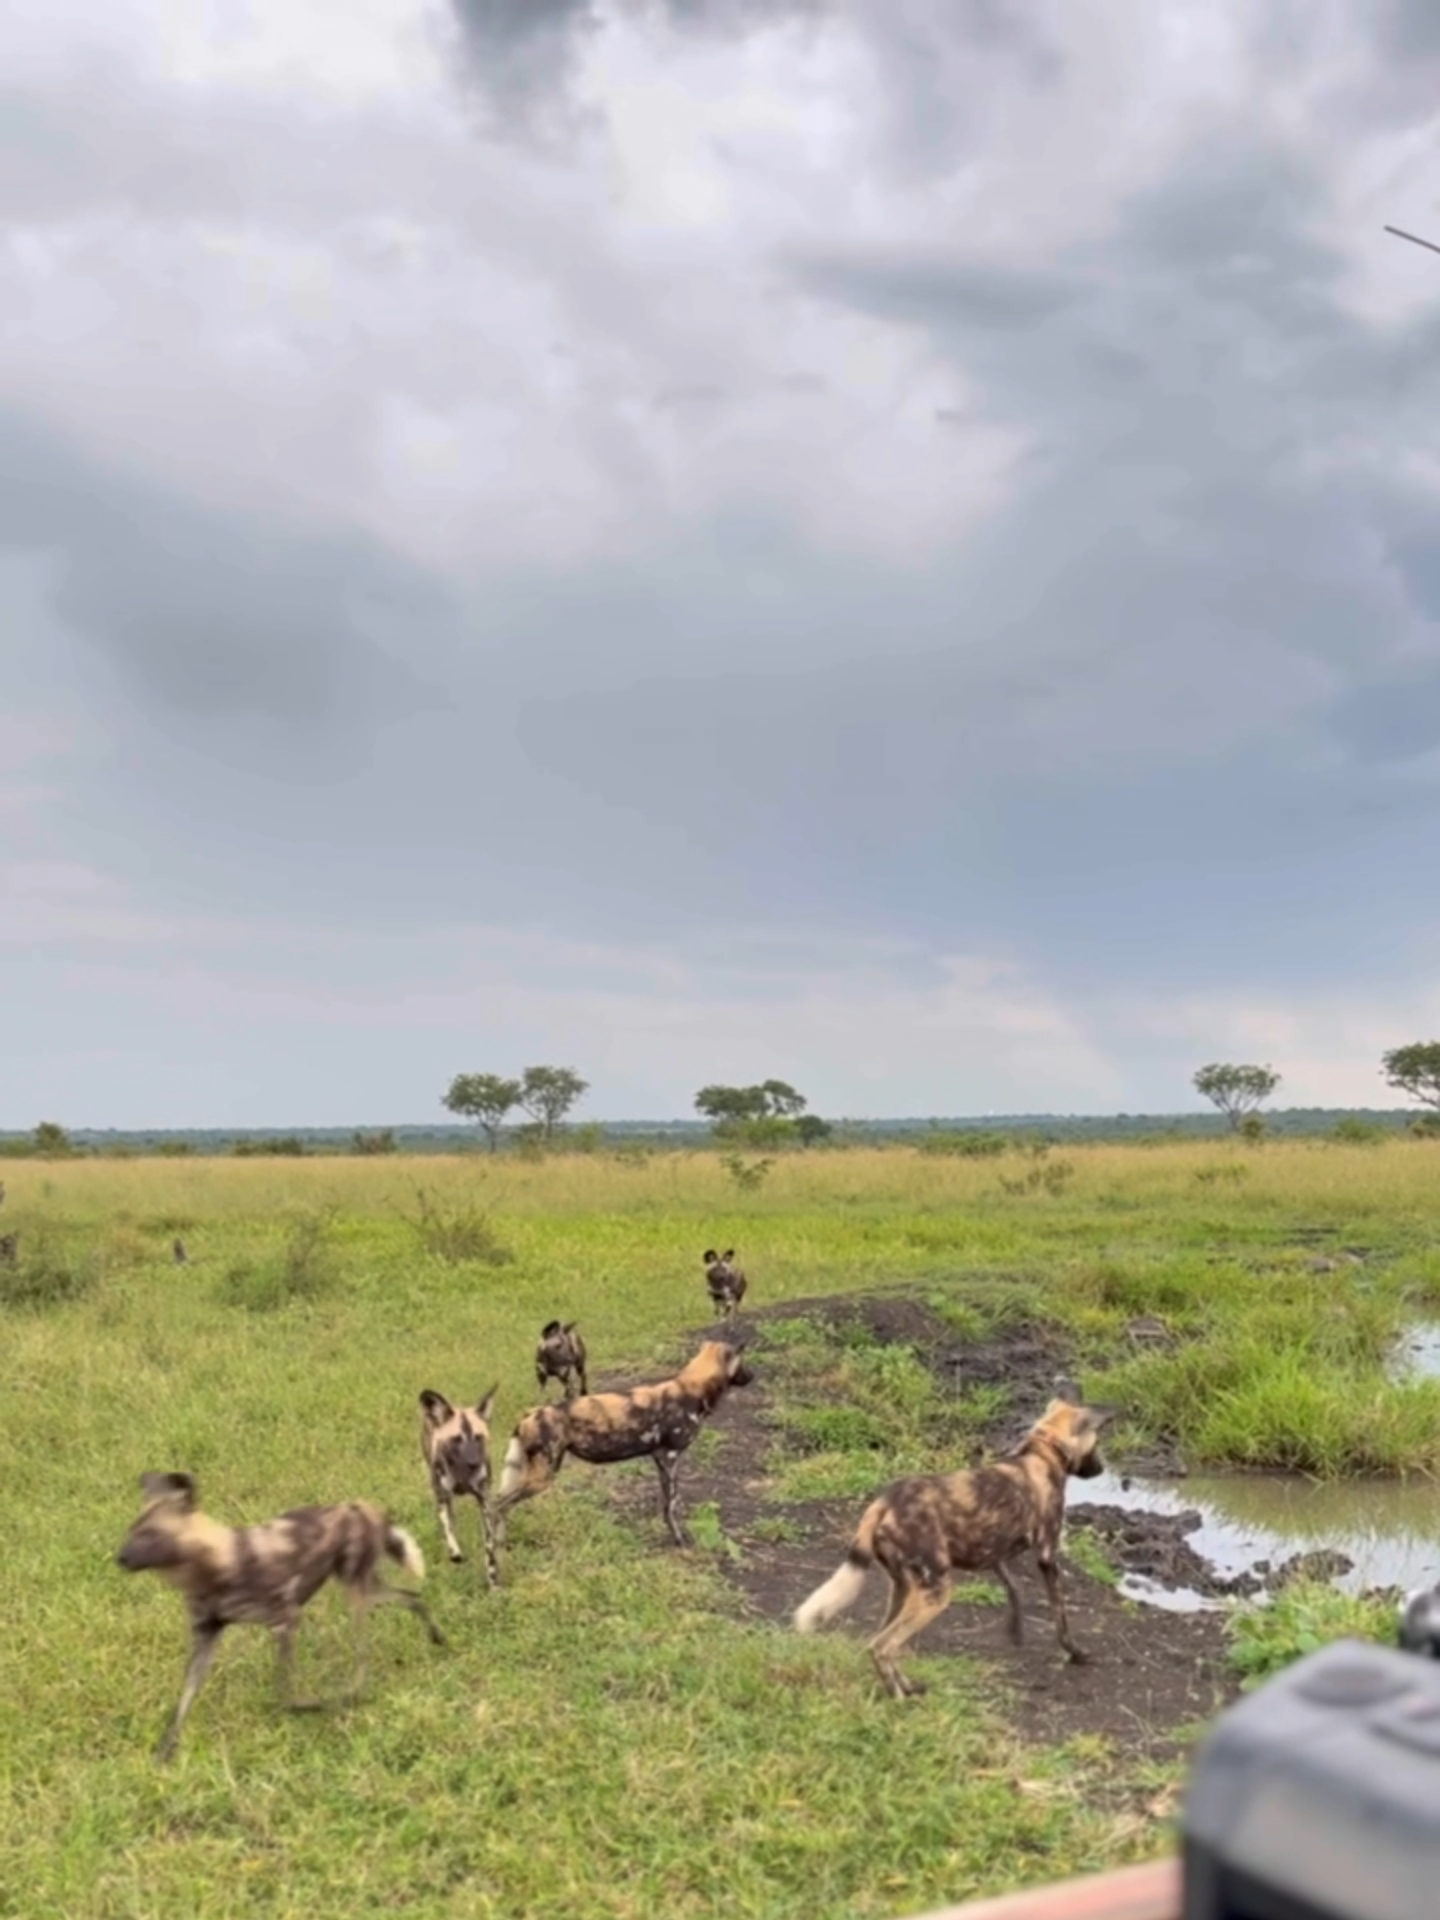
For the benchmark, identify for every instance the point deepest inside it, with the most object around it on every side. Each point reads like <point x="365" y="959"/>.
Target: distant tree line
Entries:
<point x="773" y="1113"/>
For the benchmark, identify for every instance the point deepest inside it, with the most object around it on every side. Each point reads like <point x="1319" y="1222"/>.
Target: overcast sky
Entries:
<point x="891" y="543"/>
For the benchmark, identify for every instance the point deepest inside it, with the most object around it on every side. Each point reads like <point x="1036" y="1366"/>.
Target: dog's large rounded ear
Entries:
<point x="167" y="1486"/>
<point x="435" y="1407"/>
<point x="550" y="1326"/>
<point x="740" y="1340"/>
<point x="709" y="1256"/>
<point x="1102" y="1415"/>
<point x="484" y="1406"/>
<point x="1068" y="1390"/>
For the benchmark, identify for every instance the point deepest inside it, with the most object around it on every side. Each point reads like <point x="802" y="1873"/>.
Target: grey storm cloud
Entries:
<point x="211" y="613"/>
<point x="522" y="54"/>
<point x="1159" y="718"/>
<point x="1184" y="657"/>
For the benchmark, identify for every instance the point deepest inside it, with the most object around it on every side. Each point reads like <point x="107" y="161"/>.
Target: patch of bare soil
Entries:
<point x="1152" y="1673"/>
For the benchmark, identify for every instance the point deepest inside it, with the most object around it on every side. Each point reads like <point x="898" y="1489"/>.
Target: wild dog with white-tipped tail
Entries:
<point x="927" y="1527"/>
<point x="264" y="1575"/>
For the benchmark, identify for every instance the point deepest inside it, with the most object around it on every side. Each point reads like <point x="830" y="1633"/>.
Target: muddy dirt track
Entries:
<point x="1153" y="1674"/>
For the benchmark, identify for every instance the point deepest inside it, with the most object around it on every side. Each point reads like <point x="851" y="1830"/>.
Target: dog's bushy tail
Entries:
<point x="843" y="1587"/>
<point x="404" y="1548"/>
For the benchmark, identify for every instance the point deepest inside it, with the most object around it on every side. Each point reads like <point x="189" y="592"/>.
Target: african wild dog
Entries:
<point x="927" y="1527"/>
<point x="561" y="1356"/>
<point x="725" y="1280"/>
<point x="456" y="1445"/>
<point x="9" y="1249"/>
<point x="264" y="1575"/>
<point x="657" y="1422"/>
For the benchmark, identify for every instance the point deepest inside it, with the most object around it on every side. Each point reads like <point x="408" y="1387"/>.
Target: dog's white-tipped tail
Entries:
<point x="840" y="1591"/>
<point x="514" y="1469"/>
<point x="844" y="1586"/>
<point x="405" y="1548"/>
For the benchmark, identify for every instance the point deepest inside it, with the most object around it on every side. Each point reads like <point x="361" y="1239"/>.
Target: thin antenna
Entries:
<point x="1401" y="234"/>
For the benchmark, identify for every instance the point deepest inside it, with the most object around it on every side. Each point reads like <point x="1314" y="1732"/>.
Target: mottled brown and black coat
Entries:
<point x="726" y="1281"/>
<point x="456" y="1445"/>
<point x="264" y="1575"/>
<point x="561" y="1356"/>
<point x="924" y="1529"/>
<point x="656" y="1422"/>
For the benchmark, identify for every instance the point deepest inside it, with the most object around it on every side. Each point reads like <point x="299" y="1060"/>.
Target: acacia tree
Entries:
<point x="1415" y="1069"/>
<point x="548" y="1093"/>
<point x="770" y="1100"/>
<point x="1236" y="1091"/>
<point x="770" y="1112"/>
<point x="485" y="1098"/>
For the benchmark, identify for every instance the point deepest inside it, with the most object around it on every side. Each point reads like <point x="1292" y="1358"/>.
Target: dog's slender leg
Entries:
<point x="1050" y="1574"/>
<point x="285" y="1671"/>
<point x="205" y="1638"/>
<point x="487" y="1529"/>
<point x="920" y="1606"/>
<point x="445" y="1507"/>
<point x="667" y="1465"/>
<point x="1015" y="1624"/>
<point x="383" y="1596"/>
<point x="377" y="1594"/>
<point x="893" y="1604"/>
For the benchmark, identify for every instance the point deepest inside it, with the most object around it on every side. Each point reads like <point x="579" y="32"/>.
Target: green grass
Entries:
<point x="853" y="1414"/>
<point x="1301" y="1619"/>
<point x="605" y="1733"/>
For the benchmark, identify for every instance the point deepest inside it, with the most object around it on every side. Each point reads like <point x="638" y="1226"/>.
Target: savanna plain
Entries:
<point x="620" y="1729"/>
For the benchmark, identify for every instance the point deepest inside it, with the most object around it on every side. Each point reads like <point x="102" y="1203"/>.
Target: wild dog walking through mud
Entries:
<point x="927" y="1527"/>
<point x="657" y="1422"/>
<point x="726" y="1281"/>
<point x="264" y="1575"/>
<point x="456" y="1445"/>
<point x="561" y="1356"/>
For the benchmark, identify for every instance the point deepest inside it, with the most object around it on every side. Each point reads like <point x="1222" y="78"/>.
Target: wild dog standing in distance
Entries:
<point x="456" y="1444"/>
<point x="657" y="1422"/>
<point x="924" y="1529"/>
<point x="264" y="1575"/>
<point x="559" y="1356"/>
<point x="725" y="1280"/>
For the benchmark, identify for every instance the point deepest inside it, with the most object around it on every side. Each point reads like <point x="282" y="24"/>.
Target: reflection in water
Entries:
<point x="1389" y="1528"/>
<point x="1417" y="1356"/>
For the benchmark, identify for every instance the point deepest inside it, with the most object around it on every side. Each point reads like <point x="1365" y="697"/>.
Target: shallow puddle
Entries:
<point x="1389" y="1529"/>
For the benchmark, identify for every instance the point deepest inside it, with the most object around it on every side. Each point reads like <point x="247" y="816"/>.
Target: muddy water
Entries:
<point x="1389" y="1529"/>
<point x="1253" y="1523"/>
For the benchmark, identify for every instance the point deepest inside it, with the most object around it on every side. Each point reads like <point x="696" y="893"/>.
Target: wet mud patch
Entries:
<point x="1153" y="1674"/>
<point x="1155" y="1549"/>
